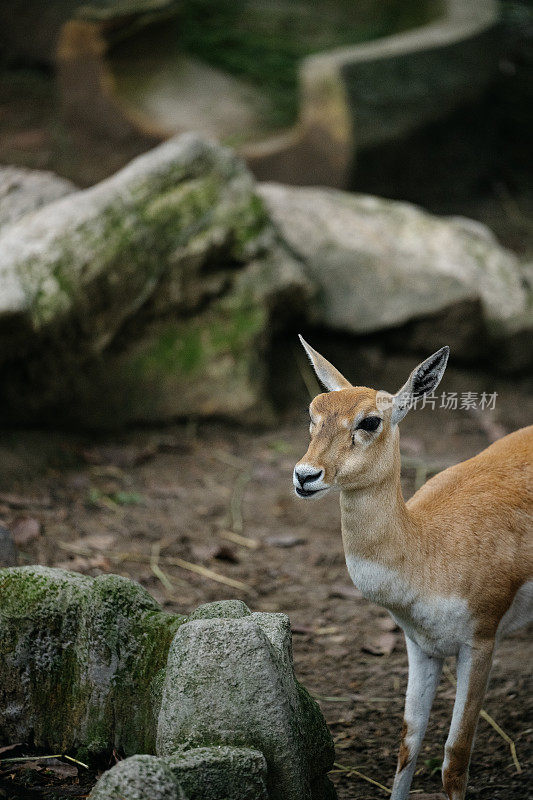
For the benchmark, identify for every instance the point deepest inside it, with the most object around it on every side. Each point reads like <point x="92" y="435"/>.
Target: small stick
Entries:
<point x="43" y="758"/>
<point x="245" y="541"/>
<point x="333" y="699"/>
<point x="353" y="771"/>
<point x="156" y="569"/>
<point x="487" y="717"/>
<point x="236" y="500"/>
<point x="75" y="761"/>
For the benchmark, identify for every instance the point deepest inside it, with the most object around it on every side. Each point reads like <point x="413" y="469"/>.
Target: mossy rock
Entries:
<point x="93" y="664"/>
<point x="149" y="296"/>
<point x="230" y="681"/>
<point x="80" y="655"/>
<point x="139" y="778"/>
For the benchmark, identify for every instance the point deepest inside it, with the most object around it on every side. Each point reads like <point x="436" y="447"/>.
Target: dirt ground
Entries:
<point x="134" y="504"/>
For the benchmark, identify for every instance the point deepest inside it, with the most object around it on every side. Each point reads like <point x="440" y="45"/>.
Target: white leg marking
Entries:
<point x="424" y="675"/>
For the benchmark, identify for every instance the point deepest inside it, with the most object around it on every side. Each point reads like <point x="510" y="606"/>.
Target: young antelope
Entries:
<point x="453" y="565"/>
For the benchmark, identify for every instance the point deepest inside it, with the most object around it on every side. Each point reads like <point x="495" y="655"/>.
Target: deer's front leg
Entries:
<point x="424" y="675"/>
<point x="473" y="668"/>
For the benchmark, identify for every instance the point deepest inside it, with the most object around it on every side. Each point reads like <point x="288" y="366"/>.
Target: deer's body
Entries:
<point x="454" y="565"/>
<point x="431" y="561"/>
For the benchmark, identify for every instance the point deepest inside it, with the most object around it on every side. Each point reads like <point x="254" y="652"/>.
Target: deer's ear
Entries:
<point x="325" y="372"/>
<point x="422" y="380"/>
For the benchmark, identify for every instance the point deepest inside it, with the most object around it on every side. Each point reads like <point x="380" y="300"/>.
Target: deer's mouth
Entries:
<point x="308" y="492"/>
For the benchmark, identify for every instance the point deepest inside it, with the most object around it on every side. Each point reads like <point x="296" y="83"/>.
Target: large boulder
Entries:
<point x="25" y="190"/>
<point x="148" y="296"/>
<point x="380" y="264"/>
<point x="156" y="293"/>
<point x="79" y="660"/>
<point x="232" y="677"/>
<point x="93" y="664"/>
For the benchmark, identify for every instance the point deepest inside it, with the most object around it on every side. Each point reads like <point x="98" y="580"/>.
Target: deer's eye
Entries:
<point x="369" y="424"/>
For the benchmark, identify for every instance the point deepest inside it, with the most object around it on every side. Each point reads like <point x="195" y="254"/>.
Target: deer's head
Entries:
<point x="354" y="430"/>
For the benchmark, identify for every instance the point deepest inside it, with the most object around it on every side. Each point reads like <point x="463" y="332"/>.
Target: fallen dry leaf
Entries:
<point x="303" y="629"/>
<point x="7" y="747"/>
<point x="25" y="530"/>
<point x="60" y="769"/>
<point x="35" y="765"/>
<point x="98" y="541"/>
<point x="287" y="540"/>
<point x="387" y="624"/>
<point x="346" y="592"/>
<point x="25" y="501"/>
<point x="381" y="645"/>
<point x="326" y="631"/>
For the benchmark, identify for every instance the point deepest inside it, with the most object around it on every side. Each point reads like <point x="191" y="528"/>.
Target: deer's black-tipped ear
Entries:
<point x="325" y="372"/>
<point x="423" y="380"/>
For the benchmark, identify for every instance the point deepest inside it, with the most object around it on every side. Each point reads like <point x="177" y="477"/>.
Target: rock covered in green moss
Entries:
<point x="139" y="778"/>
<point x="203" y="773"/>
<point x="221" y="773"/>
<point x="231" y="681"/>
<point x="92" y="664"/>
<point x="25" y="190"/>
<point x="147" y="296"/>
<point x="78" y="657"/>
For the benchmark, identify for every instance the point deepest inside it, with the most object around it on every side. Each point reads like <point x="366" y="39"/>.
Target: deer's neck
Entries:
<point x="380" y="544"/>
<point x="376" y="523"/>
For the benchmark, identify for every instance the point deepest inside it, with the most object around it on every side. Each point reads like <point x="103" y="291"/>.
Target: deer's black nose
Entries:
<point x="304" y="476"/>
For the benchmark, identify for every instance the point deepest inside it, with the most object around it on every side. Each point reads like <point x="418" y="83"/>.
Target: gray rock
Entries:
<point x="139" y="778"/>
<point x="25" y="190"/>
<point x="231" y="681"/>
<point x="92" y="664"/>
<point x="8" y="553"/>
<point x="221" y="773"/>
<point x="89" y="645"/>
<point x="148" y="296"/>
<point x="222" y="609"/>
<point x="380" y="264"/>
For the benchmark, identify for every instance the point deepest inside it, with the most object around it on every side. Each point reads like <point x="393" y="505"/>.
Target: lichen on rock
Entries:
<point x="93" y="664"/>
<point x="155" y="288"/>
<point x="87" y="645"/>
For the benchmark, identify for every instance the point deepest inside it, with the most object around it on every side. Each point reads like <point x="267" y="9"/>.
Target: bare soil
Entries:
<point x="132" y="504"/>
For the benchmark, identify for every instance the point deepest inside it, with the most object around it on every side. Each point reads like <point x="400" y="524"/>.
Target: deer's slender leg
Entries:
<point x="424" y="675"/>
<point x="473" y="668"/>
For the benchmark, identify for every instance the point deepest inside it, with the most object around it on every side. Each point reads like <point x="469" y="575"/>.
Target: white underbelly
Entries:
<point x="438" y="624"/>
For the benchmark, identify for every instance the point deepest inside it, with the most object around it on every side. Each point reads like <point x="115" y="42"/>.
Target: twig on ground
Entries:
<point x="352" y="771"/>
<point x="487" y="717"/>
<point x="156" y="569"/>
<point x="75" y="761"/>
<point x="245" y="541"/>
<point x="141" y="558"/>
<point x="20" y="759"/>
<point x="236" y="500"/>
